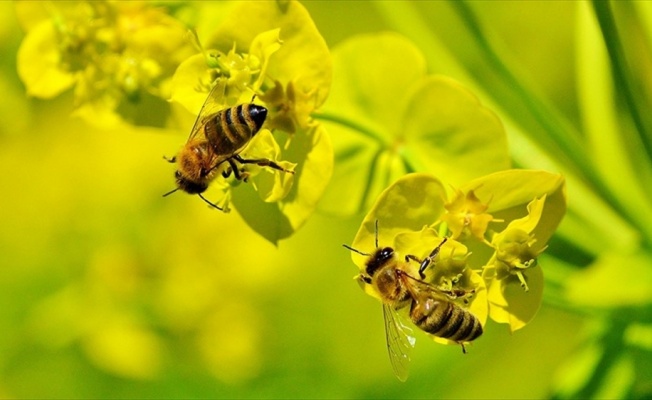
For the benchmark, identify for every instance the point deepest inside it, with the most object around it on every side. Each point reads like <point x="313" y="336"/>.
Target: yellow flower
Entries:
<point x="410" y="212"/>
<point x="466" y="214"/>
<point x="269" y="53"/>
<point x="115" y="55"/>
<point x="514" y="254"/>
<point x="389" y="117"/>
<point x="514" y="264"/>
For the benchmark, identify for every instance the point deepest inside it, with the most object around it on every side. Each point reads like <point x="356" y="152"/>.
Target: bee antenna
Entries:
<point x="170" y="192"/>
<point x="355" y="250"/>
<point x="208" y="202"/>
<point x="376" y="233"/>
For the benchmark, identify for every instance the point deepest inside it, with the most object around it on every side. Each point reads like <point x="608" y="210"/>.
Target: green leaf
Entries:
<point x="606" y="276"/>
<point x="576" y="372"/>
<point x="615" y="148"/>
<point x="388" y="118"/>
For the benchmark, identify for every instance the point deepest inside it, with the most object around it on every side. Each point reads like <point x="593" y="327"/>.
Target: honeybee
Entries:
<point x="218" y="136"/>
<point x="431" y="308"/>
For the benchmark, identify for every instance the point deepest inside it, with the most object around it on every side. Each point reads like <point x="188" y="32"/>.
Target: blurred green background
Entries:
<point x="109" y="290"/>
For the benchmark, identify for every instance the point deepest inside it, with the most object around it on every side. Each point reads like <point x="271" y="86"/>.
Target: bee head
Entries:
<point x="380" y="257"/>
<point x="189" y="186"/>
<point x="258" y="115"/>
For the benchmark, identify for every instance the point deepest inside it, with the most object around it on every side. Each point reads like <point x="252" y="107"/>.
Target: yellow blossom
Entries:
<point x="466" y="214"/>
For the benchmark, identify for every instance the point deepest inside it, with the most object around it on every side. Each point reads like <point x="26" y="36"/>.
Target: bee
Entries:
<point x="431" y="309"/>
<point x="218" y="136"/>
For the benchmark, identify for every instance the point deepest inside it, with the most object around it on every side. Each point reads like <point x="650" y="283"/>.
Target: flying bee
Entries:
<point x="431" y="308"/>
<point x="218" y="136"/>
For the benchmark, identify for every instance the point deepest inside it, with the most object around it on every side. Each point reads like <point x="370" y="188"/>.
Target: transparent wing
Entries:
<point x="399" y="342"/>
<point x="419" y="289"/>
<point x="210" y="107"/>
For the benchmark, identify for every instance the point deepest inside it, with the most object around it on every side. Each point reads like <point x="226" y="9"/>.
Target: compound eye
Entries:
<point x="386" y="253"/>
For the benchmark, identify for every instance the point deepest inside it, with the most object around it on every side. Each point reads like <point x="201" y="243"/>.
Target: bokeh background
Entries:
<point x="109" y="290"/>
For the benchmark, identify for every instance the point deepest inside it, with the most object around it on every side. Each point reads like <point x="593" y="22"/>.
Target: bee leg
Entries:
<point x="227" y="171"/>
<point x="426" y="261"/>
<point x="263" y="162"/>
<point x="170" y="160"/>
<point x="240" y="174"/>
<point x="411" y="257"/>
<point x="423" y="264"/>
<point x="463" y="348"/>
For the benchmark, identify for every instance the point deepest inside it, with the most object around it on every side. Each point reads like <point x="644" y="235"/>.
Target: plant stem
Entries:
<point x="621" y="72"/>
<point x="353" y="125"/>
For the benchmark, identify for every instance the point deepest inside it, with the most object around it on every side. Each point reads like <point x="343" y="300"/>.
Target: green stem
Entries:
<point x="541" y="122"/>
<point x="564" y="137"/>
<point x="339" y="120"/>
<point x="612" y="344"/>
<point x="621" y="72"/>
<point x="370" y="180"/>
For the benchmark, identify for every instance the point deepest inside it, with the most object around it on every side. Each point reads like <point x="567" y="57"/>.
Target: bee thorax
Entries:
<point x="390" y="286"/>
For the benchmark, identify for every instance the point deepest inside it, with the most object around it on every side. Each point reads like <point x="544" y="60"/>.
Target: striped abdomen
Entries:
<point x="445" y="319"/>
<point x="229" y="130"/>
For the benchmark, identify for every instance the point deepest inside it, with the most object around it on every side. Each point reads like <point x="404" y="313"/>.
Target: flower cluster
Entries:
<point x="271" y="52"/>
<point x="495" y="262"/>
<point x="114" y="55"/>
<point x="137" y="62"/>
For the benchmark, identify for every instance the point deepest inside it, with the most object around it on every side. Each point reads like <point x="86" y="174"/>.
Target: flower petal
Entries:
<point x="384" y="128"/>
<point x="510" y="304"/>
<point x="508" y="192"/>
<point x="39" y="63"/>
<point x="409" y="204"/>
<point x="304" y="57"/>
<point x="312" y="153"/>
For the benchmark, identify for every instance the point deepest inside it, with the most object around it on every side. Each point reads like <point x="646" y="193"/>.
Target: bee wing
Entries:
<point x="419" y="289"/>
<point x="210" y="107"/>
<point x="399" y="342"/>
